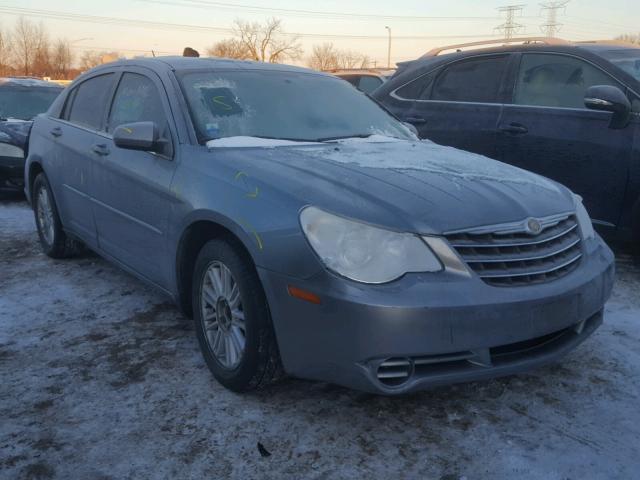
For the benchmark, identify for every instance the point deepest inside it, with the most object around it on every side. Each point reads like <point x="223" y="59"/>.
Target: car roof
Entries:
<point x="531" y="44"/>
<point x="27" y="82"/>
<point x="207" y="63"/>
<point x="383" y="72"/>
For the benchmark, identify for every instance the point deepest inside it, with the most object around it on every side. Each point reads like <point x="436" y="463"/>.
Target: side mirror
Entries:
<point x="607" y="98"/>
<point x="138" y="136"/>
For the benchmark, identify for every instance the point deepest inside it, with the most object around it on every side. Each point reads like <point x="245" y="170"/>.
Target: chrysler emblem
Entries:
<point x="533" y="226"/>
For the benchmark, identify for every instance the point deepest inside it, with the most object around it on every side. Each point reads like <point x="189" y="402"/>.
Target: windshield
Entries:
<point x="283" y="105"/>
<point x="627" y="59"/>
<point x="24" y="103"/>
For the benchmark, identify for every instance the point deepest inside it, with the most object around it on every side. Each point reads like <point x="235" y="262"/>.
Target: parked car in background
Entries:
<point x="568" y="111"/>
<point x="314" y="232"/>
<point x="364" y="79"/>
<point x="21" y="99"/>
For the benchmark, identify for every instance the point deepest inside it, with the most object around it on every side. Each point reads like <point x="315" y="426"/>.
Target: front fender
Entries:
<point x="263" y="218"/>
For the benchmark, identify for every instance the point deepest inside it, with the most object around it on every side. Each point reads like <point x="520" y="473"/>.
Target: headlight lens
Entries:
<point x="364" y="253"/>
<point x="12" y="151"/>
<point x="586" y="227"/>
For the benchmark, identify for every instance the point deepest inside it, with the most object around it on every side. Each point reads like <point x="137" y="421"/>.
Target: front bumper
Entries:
<point x="11" y="174"/>
<point x="447" y="328"/>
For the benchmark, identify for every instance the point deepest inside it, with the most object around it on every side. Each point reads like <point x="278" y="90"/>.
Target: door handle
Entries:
<point x="416" y="120"/>
<point x="101" y="149"/>
<point x="514" y="128"/>
<point x="56" y="131"/>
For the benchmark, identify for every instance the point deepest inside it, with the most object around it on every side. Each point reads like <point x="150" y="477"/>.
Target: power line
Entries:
<point x="552" y="27"/>
<point x="313" y="13"/>
<point x="201" y="28"/>
<point x="510" y="28"/>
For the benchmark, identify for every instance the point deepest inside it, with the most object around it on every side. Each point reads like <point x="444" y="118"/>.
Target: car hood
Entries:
<point x="414" y="186"/>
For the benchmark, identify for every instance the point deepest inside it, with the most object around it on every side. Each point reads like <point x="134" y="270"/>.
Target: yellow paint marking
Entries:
<point x="221" y="103"/>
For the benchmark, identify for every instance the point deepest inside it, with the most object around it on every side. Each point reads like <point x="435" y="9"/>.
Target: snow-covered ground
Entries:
<point x="101" y="377"/>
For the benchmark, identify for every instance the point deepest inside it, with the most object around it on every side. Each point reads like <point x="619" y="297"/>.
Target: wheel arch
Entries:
<point x="34" y="168"/>
<point x="198" y="231"/>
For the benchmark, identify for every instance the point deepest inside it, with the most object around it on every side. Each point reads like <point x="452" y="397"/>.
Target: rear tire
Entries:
<point x="232" y="318"/>
<point x="53" y="239"/>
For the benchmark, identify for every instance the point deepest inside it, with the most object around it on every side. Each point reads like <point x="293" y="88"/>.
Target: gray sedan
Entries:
<point x="308" y="232"/>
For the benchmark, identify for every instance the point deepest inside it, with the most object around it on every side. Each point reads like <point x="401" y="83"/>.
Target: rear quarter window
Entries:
<point x="418" y="89"/>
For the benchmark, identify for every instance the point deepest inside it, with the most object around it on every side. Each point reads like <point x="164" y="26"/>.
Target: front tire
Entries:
<point x="232" y="319"/>
<point x="54" y="241"/>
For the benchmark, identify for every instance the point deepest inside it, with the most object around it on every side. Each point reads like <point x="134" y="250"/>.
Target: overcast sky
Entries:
<point x="582" y="19"/>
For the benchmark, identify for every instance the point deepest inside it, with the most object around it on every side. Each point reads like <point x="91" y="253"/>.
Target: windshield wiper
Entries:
<point x="263" y="137"/>
<point x="329" y="139"/>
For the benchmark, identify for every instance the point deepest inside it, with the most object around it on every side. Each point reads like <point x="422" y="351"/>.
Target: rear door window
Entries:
<point x="368" y="83"/>
<point x="89" y="102"/>
<point x="352" y="79"/>
<point x="549" y="80"/>
<point x="475" y="80"/>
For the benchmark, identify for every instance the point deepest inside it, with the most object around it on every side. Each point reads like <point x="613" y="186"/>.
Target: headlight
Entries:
<point x="7" y="150"/>
<point x="364" y="253"/>
<point x="586" y="227"/>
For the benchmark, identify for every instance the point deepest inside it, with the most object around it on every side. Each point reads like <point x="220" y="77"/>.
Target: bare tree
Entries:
<point x="323" y="57"/>
<point x="5" y="54"/>
<point x="61" y="59"/>
<point x="327" y="57"/>
<point x="351" y="59"/>
<point x="267" y="42"/>
<point x="629" y="37"/>
<point x="41" y="53"/>
<point x="91" y="58"/>
<point x="27" y="40"/>
<point x="229" y="48"/>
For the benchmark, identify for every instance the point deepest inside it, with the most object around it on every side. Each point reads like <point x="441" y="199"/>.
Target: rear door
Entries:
<point x="132" y="188"/>
<point x="461" y="102"/>
<point x="548" y="130"/>
<point x="75" y="134"/>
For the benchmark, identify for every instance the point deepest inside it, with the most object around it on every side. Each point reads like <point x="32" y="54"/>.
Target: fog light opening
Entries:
<point x="395" y="371"/>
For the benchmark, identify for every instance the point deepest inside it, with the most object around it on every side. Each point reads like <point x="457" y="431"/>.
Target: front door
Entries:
<point x="547" y="130"/>
<point x="132" y="188"/>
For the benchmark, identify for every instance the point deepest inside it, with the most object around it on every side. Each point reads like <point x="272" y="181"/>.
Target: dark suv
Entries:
<point x="568" y="111"/>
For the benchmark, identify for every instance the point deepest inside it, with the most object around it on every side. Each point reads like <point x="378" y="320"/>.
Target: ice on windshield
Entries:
<point x="284" y="106"/>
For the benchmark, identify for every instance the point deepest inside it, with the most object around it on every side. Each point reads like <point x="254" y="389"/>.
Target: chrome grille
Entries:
<point x="507" y="255"/>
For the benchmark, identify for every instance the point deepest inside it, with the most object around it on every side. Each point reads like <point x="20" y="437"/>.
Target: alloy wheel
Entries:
<point x="223" y="315"/>
<point x="45" y="216"/>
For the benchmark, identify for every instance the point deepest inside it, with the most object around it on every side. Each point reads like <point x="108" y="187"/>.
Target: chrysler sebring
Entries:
<point x="309" y="232"/>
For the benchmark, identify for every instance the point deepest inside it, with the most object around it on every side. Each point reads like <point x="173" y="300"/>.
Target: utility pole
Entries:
<point x="509" y="28"/>
<point x="389" y="49"/>
<point x="552" y="27"/>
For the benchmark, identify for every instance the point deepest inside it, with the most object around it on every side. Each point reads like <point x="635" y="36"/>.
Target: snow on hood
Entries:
<point x="426" y="156"/>
<point x="256" y="142"/>
<point x="252" y="142"/>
